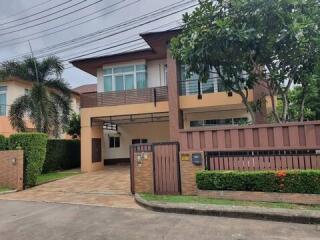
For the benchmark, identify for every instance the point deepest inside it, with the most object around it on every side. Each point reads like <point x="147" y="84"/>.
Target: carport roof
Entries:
<point x="131" y="119"/>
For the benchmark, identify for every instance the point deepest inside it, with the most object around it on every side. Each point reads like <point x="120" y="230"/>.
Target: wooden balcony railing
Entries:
<point x="134" y="96"/>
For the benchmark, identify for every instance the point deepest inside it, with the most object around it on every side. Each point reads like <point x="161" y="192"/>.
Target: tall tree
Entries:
<point x="47" y="104"/>
<point x="275" y="43"/>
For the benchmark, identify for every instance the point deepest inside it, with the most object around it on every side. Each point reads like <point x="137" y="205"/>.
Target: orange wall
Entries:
<point x="6" y="128"/>
<point x="211" y="100"/>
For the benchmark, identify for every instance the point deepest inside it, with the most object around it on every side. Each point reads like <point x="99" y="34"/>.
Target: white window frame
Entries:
<point x="114" y="75"/>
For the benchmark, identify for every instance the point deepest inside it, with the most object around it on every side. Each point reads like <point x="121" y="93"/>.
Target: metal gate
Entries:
<point x="166" y="168"/>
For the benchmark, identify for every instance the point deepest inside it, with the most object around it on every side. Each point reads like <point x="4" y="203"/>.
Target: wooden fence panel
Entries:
<point x="290" y="136"/>
<point x="265" y="160"/>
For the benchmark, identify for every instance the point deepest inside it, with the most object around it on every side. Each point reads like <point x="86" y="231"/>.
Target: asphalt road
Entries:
<point x="47" y="221"/>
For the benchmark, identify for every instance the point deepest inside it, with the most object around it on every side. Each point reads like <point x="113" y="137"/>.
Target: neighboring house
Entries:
<point x="13" y="88"/>
<point x="144" y="97"/>
<point x="87" y="88"/>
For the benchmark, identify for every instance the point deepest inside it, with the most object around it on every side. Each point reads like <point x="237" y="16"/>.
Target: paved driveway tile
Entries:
<point x="110" y="188"/>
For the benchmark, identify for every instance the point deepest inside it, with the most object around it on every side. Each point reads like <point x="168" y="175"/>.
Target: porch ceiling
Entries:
<point x="131" y="119"/>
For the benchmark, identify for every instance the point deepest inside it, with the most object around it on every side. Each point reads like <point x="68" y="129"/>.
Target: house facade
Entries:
<point x="11" y="89"/>
<point x="145" y="96"/>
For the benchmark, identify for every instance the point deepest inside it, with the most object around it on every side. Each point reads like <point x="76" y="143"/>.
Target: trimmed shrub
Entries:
<point x="291" y="181"/>
<point x="62" y="155"/>
<point x="34" y="147"/>
<point x="3" y="143"/>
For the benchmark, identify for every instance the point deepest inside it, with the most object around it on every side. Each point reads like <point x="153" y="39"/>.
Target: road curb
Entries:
<point x="257" y="213"/>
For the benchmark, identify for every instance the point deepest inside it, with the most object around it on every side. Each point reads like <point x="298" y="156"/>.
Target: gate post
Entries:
<point x="141" y="168"/>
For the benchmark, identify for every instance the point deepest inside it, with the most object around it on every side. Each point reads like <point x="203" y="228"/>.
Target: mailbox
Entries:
<point x="197" y="159"/>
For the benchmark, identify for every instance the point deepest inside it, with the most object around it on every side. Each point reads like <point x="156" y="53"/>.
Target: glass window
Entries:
<point x="107" y="71"/>
<point x="107" y="83"/>
<point x="141" y="68"/>
<point x="198" y="123"/>
<point x="114" y="142"/>
<point x="216" y="122"/>
<point x="125" y="77"/>
<point x="119" y="83"/>
<point x="3" y="104"/>
<point x="129" y="81"/>
<point x="3" y="100"/>
<point x="141" y="79"/>
<point x="165" y="75"/>
<point x="123" y="69"/>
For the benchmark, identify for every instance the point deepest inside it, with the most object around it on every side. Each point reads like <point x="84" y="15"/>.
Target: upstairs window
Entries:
<point x="127" y="77"/>
<point x="3" y="100"/>
<point x="189" y="84"/>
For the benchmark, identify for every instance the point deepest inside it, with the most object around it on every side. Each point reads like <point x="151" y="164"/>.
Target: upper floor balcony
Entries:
<point x="125" y="97"/>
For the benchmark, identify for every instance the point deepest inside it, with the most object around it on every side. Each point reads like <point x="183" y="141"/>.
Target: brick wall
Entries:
<point x="143" y="170"/>
<point x="188" y="174"/>
<point x="11" y="169"/>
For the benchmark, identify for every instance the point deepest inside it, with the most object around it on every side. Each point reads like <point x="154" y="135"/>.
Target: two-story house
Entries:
<point x="145" y="96"/>
<point x="11" y="89"/>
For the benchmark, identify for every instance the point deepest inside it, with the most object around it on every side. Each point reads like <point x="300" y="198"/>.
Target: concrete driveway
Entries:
<point x="50" y="221"/>
<point x="110" y="188"/>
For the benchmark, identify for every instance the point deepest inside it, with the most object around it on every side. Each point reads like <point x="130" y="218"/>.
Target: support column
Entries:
<point x="175" y="114"/>
<point x="87" y="134"/>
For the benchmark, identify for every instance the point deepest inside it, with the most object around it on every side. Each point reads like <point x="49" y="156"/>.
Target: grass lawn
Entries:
<point x="4" y="189"/>
<point x="48" y="177"/>
<point x="204" y="200"/>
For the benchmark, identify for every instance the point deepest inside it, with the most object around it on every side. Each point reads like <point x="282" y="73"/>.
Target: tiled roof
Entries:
<point x="87" y="88"/>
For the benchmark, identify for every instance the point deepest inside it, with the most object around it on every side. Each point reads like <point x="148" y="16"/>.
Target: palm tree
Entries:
<point x="47" y="104"/>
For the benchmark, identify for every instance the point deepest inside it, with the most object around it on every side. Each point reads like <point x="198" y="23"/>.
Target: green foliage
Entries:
<point x="47" y="105"/>
<point x="294" y="181"/>
<point x="248" y="42"/>
<point x="34" y="147"/>
<point x="312" y="104"/>
<point x="74" y="126"/>
<point x="3" y="143"/>
<point x="62" y="155"/>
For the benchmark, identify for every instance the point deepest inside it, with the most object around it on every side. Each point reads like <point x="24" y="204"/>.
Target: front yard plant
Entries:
<point x="291" y="181"/>
<point x="62" y="155"/>
<point x="34" y="147"/>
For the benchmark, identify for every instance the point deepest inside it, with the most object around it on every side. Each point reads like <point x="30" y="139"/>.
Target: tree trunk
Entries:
<point x="248" y="106"/>
<point x="274" y="108"/>
<point x="284" y="108"/>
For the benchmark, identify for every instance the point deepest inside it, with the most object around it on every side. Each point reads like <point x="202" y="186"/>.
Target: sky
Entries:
<point x="74" y="29"/>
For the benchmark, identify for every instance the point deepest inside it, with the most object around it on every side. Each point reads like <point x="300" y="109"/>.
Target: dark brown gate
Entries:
<point x="166" y="168"/>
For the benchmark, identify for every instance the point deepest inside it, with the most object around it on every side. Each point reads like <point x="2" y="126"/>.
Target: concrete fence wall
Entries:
<point x="11" y="169"/>
<point x="248" y="148"/>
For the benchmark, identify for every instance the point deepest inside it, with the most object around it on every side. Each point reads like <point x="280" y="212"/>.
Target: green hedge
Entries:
<point x="3" y="143"/>
<point x="62" y="155"/>
<point x="34" y="147"/>
<point x="291" y="181"/>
